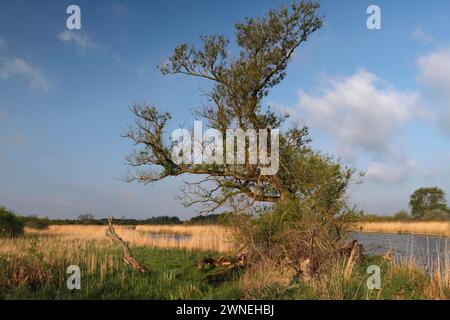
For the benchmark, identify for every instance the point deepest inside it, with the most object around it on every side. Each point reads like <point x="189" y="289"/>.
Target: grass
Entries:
<point x="437" y="228"/>
<point x="34" y="267"/>
<point x="347" y="281"/>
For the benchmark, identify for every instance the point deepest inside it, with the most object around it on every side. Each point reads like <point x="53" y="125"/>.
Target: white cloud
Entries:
<point x="435" y="70"/>
<point x="83" y="42"/>
<point x="392" y="173"/>
<point x="19" y="67"/>
<point x="80" y="39"/>
<point x="434" y="76"/>
<point x="361" y="111"/>
<point x="420" y="35"/>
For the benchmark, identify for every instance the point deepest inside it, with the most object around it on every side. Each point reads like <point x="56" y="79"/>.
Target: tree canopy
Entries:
<point x="236" y="100"/>
<point x="427" y="199"/>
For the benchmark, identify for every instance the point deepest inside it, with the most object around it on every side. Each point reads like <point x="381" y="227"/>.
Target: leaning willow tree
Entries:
<point x="308" y="190"/>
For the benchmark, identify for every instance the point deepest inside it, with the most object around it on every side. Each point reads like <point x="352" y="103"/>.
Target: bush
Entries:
<point x="34" y="222"/>
<point x="307" y="231"/>
<point x="437" y="214"/>
<point x="402" y="215"/>
<point x="10" y="224"/>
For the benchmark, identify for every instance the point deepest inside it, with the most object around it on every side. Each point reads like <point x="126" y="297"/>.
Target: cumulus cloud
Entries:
<point x="360" y="111"/>
<point x="435" y="70"/>
<point x="10" y="67"/>
<point x="392" y="173"/>
<point x="78" y="38"/>
<point x="434" y="76"/>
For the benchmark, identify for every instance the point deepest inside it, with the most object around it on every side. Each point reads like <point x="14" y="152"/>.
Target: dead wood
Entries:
<point x="224" y="261"/>
<point x="127" y="254"/>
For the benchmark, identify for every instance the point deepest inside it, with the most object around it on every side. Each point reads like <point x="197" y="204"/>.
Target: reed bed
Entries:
<point x="34" y="260"/>
<point x="35" y="266"/>
<point x="207" y="238"/>
<point x="436" y="228"/>
<point x="39" y="259"/>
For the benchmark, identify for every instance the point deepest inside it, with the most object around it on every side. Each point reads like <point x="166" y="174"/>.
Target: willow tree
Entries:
<point x="308" y="189"/>
<point x="240" y="83"/>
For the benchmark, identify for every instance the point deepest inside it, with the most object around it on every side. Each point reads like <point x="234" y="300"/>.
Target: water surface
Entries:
<point x="421" y="249"/>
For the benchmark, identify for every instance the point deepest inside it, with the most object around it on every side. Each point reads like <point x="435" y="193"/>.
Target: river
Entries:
<point x="423" y="250"/>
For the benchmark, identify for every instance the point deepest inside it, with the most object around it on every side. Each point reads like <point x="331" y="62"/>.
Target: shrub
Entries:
<point x="34" y="222"/>
<point x="437" y="214"/>
<point x="295" y="233"/>
<point x="10" y="224"/>
<point x="307" y="231"/>
<point x="402" y="215"/>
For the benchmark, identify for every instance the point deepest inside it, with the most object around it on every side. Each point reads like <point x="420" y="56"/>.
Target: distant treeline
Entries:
<point x="209" y="219"/>
<point x="36" y="222"/>
<point x="166" y="220"/>
<point x="431" y="215"/>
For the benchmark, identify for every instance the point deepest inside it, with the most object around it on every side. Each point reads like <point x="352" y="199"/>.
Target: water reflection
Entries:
<point x="168" y="236"/>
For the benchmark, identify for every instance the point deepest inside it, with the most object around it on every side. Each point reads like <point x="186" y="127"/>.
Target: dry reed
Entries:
<point x="208" y="238"/>
<point x="437" y="228"/>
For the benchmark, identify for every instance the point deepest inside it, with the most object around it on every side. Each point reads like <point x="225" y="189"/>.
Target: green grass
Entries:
<point x="173" y="275"/>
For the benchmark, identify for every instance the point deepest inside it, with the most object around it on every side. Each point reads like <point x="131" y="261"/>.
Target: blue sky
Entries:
<point x="378" y="99"/>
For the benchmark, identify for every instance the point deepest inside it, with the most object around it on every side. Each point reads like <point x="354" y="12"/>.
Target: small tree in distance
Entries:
<point x="427" y="199"/>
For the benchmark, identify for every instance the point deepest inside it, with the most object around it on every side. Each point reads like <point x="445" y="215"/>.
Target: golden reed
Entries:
<point x="436" y="228"/>
<point x="208" y="238"/>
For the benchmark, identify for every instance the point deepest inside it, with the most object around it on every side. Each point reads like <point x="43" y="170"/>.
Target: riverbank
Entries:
<point x="432" y="228"/>
<point x="35" y="267"/>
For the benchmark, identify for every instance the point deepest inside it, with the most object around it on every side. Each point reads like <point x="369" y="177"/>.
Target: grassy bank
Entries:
<point x="348" y="281"/>
<point x="34" y="267"/>
<point x="437" y="228"/>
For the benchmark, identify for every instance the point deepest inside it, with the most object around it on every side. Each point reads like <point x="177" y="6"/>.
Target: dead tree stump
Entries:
<point x="127" y="255"/>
